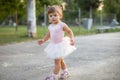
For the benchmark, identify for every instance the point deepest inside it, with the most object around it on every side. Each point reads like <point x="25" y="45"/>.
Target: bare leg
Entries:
<point x="65" y="73"/>
<point x="56" y="69"/>
<point x="63" y="65"/>
<point x="57" y="66"/>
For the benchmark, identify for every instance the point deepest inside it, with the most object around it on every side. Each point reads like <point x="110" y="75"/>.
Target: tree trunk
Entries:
<point x="31" y="28"/>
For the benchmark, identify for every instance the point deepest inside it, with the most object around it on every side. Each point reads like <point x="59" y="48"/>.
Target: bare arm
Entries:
<point x="70" y="33"/>
<point x="47" y="36"/>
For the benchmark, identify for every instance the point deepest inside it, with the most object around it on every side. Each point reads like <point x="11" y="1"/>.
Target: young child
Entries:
<point x="59" y="46"/>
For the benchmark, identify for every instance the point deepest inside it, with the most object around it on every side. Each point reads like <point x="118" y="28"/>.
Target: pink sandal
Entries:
<point x="64" y="75"/>
<point x="51" y="77"/>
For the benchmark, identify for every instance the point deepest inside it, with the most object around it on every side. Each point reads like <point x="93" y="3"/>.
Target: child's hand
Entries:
<point x="40" y="41"/>
<point x="72" y="42"/>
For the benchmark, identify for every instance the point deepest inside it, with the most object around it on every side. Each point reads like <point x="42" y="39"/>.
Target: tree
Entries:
<point x="15" y="7"/>
<point x="88" y="5"/>
<point x="11" y="9"/>
<point x="112" y="6"/>
<point x="31" y="19"/>
<point x="70" y="12"/>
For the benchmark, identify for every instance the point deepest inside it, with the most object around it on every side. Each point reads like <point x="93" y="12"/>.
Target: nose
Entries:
<point x="53" y="17"/>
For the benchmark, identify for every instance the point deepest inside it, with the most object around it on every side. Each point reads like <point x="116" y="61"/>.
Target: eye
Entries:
<point x="55" y="15"/>
<point x="50" y="15"/>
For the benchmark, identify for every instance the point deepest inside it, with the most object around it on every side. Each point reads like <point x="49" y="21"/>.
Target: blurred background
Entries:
<point x="30" y="15"/>
<point x="76" y="10"/>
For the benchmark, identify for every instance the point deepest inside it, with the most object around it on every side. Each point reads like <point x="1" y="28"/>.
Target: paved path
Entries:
<point x="97" y="58"/>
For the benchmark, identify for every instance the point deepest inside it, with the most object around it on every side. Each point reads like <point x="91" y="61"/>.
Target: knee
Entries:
<point x="58" y="66"/>
<point x="58" y="63"/>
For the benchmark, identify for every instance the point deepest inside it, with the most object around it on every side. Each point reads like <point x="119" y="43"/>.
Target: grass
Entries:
<point x="8" y="34"/>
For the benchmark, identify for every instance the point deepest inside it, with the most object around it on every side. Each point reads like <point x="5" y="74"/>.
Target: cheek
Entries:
<point x="50" y="18"/>
<point x="57" y="17"/>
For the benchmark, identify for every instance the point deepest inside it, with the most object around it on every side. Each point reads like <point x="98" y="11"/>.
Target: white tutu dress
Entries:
<point x="59" y="45"/>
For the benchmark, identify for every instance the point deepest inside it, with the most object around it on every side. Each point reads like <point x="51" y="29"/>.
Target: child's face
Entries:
<point x="54" y="17"/>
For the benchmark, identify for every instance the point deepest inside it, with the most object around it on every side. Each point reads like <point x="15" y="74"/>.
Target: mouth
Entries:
<point x="53" y="20"/>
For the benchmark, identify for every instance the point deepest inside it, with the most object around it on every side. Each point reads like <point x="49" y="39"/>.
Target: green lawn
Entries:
<point x="8" y="34"/>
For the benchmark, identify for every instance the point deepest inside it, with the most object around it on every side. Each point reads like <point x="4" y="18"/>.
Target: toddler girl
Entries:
<point x="59" y="46"/>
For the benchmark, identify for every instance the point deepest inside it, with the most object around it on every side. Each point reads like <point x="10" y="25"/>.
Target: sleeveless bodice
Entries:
<point x="56" y="32"/>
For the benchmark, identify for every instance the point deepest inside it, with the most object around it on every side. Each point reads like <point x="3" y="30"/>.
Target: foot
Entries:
<point x="51" y="77"/>
<point x="64" y="75"/>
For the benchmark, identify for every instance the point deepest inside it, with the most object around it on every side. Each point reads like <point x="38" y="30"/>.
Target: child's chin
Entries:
<point x="55" y="22"/>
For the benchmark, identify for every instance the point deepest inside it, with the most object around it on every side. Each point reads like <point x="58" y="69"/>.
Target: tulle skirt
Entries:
<point x="61" y="49"/>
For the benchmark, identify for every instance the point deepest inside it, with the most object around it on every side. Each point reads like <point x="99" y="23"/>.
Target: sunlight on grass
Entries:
<point x="8" y="34"/>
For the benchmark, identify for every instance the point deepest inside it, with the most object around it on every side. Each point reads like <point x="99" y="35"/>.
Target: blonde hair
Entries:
<point x="56" y="8"/>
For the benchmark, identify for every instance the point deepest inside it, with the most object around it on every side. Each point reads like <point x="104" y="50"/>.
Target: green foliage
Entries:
<point x="71" y="11"/>
<point x="51" y="2"/>
<point x="8" y="8"/>
<point x="112" y="6"/>
<point x="86" y="4"/>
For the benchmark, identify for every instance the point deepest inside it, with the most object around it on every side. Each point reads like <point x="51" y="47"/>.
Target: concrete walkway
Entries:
<point x="97" y="58"/>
